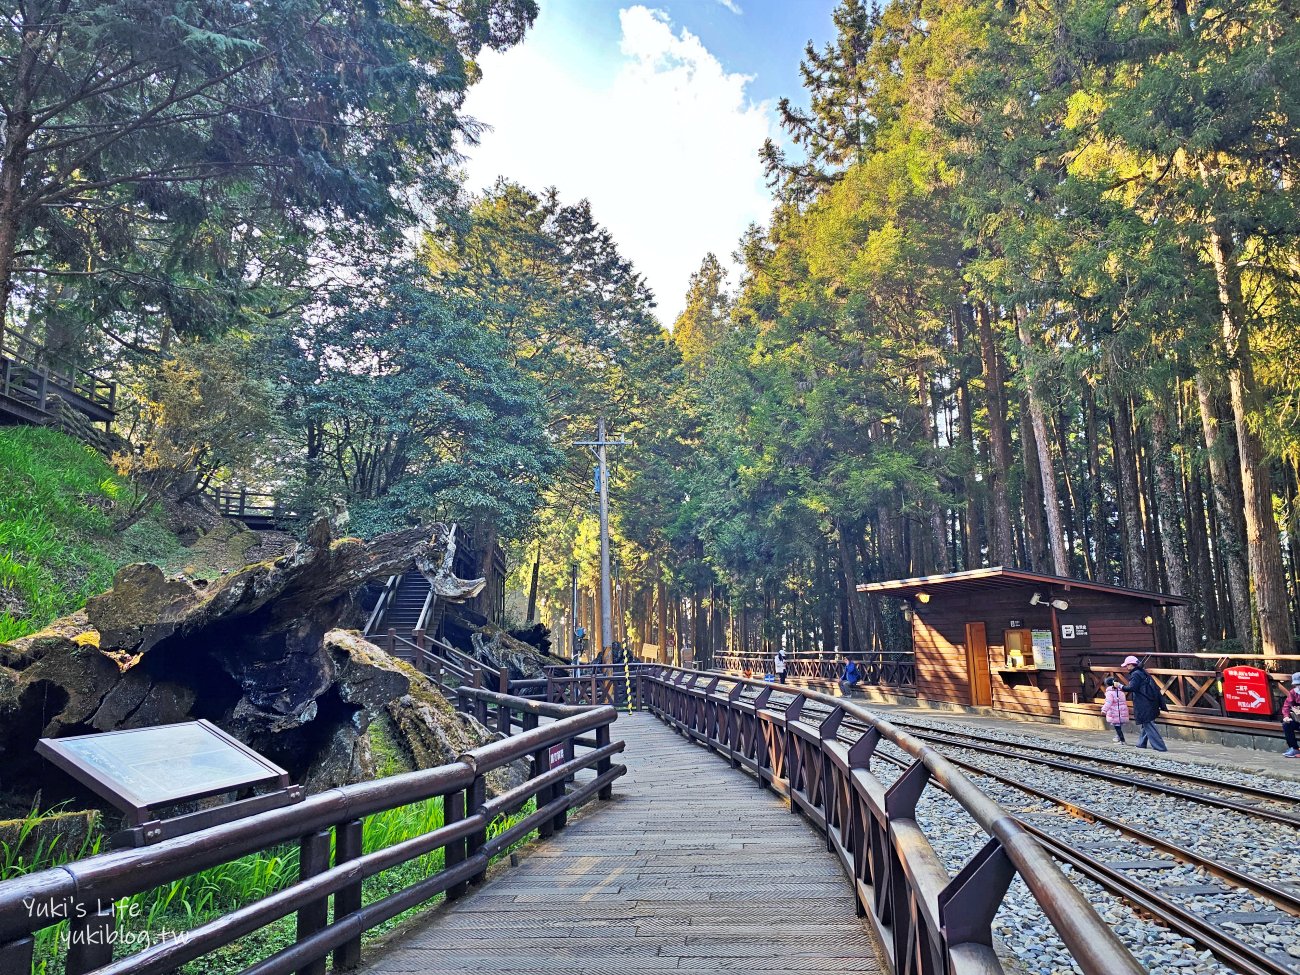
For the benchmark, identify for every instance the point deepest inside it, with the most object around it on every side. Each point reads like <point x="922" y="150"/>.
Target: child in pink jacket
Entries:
<point x="1115" y="708"/>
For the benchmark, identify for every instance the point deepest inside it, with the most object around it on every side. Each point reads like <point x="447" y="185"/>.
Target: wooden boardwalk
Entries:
<point x="690" y="868"/>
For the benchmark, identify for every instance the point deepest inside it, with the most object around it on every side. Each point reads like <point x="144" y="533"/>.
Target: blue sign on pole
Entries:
<point x="597" y="478"/>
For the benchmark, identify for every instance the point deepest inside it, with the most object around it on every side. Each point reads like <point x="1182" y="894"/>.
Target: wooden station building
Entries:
<point x="1015" y="640"/>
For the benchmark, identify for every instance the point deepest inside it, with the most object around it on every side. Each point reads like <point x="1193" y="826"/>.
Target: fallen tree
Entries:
<point x="258" y="652"/>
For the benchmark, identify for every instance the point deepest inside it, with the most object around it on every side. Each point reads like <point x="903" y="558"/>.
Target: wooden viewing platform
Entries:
<point x="673" y="874"/>
<point x="32" y="383"/>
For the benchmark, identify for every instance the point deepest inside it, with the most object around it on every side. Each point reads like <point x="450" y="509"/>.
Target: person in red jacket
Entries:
<point x="1291" y="717"/>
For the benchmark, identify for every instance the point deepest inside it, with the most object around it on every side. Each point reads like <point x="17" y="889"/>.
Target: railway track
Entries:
<point x="1280" y="809"/>
<point x="1239" y="955"/>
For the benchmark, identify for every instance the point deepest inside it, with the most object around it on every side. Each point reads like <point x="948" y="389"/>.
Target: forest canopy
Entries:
<point x="1027" y="296"/>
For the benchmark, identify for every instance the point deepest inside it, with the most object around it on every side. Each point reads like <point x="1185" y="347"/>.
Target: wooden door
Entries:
<point x="977" y="665"/>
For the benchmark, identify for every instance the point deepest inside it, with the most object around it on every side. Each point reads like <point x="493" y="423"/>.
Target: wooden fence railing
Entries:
<point x="252" y="507"/>
<point x="888" y="669"/>
<point x="28" y="372"/>
<point x="1192" y="683"/>
<point x="86" y="891"/>
<point x="930" y="922"/>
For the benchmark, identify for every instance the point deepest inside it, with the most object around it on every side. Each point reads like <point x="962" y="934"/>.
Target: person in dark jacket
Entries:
<point x="1148" y="702"/>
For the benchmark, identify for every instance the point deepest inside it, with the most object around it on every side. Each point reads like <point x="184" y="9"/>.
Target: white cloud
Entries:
<point x="665" y="145"/>
<point x="731" y="5"/>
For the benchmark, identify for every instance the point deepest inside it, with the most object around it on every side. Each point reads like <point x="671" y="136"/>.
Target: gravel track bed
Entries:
<point x="1027" y="939"/>
<point x="1252" y="845"/>
<point x="1111" y="755"/>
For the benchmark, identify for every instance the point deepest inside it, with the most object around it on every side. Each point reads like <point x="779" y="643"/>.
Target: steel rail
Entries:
<point x="1288" y="819"/>
<point x="1243" y="957"/>
<point x="1283" y="898"/>
<point x="1254" y="792"/>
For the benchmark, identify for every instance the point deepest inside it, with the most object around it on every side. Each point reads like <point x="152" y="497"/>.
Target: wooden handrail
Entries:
<point x="385" y="596"/>
<point x="84" y="382"/>
<point x="66" y="891"/>
<point x="898" y="879"/>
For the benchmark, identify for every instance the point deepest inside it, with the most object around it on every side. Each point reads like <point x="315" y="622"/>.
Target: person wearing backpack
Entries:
<point x="779" y="666"/>
<point x="1148" y="702"/>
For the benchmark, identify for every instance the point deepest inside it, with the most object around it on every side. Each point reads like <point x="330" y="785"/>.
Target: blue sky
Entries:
<point x="654" y="111"/>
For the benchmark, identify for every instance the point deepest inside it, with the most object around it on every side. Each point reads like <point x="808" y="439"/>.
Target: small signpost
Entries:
<point x="144" y="770"/>
<point x="1246" y="691"/>
<point x="557" y="755"/>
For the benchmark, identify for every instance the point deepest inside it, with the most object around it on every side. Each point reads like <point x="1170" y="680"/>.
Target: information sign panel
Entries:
<point x="149" y="768"/>
<point x="1044" y="650"/>
<point x="1246" y="691"/>
<point x="557" y="755"/>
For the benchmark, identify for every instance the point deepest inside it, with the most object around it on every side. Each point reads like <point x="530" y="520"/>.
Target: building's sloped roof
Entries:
<point x="999" y="577"/>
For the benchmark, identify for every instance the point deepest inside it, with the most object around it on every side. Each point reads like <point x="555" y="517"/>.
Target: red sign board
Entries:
<point x="557" y="755"/>
<point x="1246" y="691"/>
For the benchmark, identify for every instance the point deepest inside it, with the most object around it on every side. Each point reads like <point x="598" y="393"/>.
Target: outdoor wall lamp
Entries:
<point x="922" y="598"/>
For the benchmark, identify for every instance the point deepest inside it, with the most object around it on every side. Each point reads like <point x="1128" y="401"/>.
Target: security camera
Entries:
<point x="1036" y="599"/>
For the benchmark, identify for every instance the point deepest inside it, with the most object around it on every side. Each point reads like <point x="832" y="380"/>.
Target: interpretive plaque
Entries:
<point x="144" y="770"/>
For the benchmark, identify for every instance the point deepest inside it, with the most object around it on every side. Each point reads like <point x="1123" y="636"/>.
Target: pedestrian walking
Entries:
<point x="1115" y="708"/>
<point x="1291" y="717"/>
<point x="778" y="666"/>
<point x="1148" y="702"/>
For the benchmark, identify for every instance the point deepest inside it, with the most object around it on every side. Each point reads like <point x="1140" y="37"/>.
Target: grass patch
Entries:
<point x="192" y="901"/>
<point x="57" y="542"/>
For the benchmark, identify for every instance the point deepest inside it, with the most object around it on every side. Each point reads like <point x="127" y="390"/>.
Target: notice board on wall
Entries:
<point x="1044" y="650"/>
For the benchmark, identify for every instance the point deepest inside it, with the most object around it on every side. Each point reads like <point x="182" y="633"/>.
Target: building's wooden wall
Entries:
<point x="939" y="639"/>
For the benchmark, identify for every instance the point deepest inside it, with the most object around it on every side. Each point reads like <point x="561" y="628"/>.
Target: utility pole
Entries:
<point x="573" y="609"/>
<point x="599" y="447"/>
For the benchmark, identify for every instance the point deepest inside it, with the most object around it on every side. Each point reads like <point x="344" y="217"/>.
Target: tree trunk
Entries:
<point x="16" y="133"/>
<point x="1097" y="501"/>
<point x="1001" y="547"/>
<point x="1171" y="540"/>
<point x="1263" y="543"/>
<point x="1043" y="443"/>
<point x="1135" y="563"/>
<point x="1031" y="500"/>
<point x="859" y="615"/>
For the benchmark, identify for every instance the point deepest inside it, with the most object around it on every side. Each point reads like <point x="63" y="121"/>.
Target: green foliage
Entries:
<point x="57" y="541"/>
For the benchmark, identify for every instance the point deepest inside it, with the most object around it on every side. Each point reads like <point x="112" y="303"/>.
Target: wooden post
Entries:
<point x="392" y="642"/>
<point x="474" y="799"/>
<point x="606" y="763"/>
<point x="347" y="846"/>
<point x="453" y="853"/>
<point x="89" y="938"/>
<point x="313" y="858"/>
